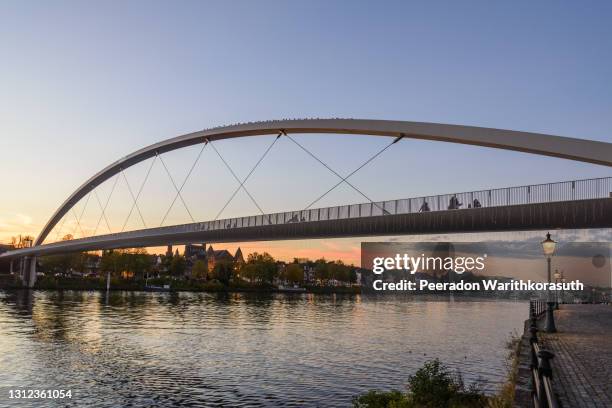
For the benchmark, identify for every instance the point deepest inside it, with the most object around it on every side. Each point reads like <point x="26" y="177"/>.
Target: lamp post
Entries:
<point x="557" y="277"/>
<point x="548" y="246"/>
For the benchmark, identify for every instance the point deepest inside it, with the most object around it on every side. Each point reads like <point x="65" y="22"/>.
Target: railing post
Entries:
<point x="549" y="193"/>
<point x="545" y="371"/>
<point x="533" y="339"/>
<point x="534" y="315"/>
<point x="528" y="194"/>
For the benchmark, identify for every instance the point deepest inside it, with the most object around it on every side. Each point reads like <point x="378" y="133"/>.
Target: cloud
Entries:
<point x="12" y="224"/>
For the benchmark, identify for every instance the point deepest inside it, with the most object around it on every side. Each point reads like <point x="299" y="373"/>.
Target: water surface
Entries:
<point x="197" y="349"/>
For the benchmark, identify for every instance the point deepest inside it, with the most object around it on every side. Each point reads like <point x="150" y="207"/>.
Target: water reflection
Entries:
<point x="201" y="349"/>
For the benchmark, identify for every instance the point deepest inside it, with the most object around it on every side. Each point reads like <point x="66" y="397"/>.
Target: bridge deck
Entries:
<point x="595" y="213"/>
<point x="564" y="205"/>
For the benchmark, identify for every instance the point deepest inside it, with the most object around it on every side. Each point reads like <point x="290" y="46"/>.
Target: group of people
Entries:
<point x="295" y="219"/>
<point x="453" y="204"/>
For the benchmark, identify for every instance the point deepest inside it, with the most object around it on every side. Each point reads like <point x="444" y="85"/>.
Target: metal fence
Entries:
<point x="537" y="193"/>
<point x="542" y="392"/>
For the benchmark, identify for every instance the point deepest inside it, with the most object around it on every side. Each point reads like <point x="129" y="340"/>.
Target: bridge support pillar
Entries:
<point x="21" y="268"/>
<point x="27" y="271"/>
<point x="32" y="274"/>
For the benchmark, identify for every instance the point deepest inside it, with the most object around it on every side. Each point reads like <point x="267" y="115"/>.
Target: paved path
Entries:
<point x="582" y="367"/>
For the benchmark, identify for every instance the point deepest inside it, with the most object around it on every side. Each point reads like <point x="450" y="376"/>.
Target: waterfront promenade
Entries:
<point x="583" y="352"/>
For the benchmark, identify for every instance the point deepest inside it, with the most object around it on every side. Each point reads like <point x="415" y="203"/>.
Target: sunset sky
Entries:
<point x="87" y="84"/>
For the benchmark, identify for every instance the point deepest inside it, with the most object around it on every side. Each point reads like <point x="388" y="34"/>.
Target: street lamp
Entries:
<point x="548" y="246"/>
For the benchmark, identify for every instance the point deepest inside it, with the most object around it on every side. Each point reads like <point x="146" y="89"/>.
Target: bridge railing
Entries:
<point x="537" y="193"/>
<point x="542" y="391"/>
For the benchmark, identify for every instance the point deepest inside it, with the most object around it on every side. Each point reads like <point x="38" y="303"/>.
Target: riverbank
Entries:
<point x="175" y="285"/>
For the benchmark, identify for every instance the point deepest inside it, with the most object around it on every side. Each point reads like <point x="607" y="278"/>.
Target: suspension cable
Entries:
<point x="330" y="169"/>
<point x="78" y="224"/>
<point x="81" y="216"/>
<point x="60" y="228"/>
<point x="138" y="196"/>
<point x="127" y="183"/>
<point x="105" y="206"/>
<point x="247" y="177"/>
<point x="344" y="179"/>
<point x="101" y="209"/>
<point x="178" y="190"/>
<point x="236" y="177"/>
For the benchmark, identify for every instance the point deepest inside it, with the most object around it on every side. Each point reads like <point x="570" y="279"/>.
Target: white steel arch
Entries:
<point x="583" y="150"/>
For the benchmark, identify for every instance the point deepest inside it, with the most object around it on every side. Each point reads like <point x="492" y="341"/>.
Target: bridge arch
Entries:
<point x="583" y="150"/>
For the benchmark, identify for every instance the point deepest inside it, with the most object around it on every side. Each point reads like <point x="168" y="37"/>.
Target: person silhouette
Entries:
<point x="454" y="203"/>
<point x="424" y="207"/>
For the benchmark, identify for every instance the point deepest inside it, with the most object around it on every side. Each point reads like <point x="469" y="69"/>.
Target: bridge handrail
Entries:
<point x="536" y="193"/>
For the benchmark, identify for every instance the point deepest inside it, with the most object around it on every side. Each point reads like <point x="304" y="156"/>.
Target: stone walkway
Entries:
<point x="582" y="367"/>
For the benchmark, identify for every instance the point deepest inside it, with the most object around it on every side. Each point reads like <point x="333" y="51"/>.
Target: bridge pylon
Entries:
<point x="27" y="271"/>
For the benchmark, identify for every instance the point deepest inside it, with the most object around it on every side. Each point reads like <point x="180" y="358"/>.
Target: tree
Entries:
<point x="65" y="262"/>
<point x="321" y="270"/>
<point x="137" y="261"/>
<point x="56" y="263"/>
<point x="264" y="266"/>
<point x="177" y="266"/>
<point x="294" y="273"/>
<point x="223" y="272"/>
<point x="22" y="241"/>
<point x="249" y="272"/>
<point x="339" y="271"/>
<point x="110" y="261"/>
<point x="199" y="269"/>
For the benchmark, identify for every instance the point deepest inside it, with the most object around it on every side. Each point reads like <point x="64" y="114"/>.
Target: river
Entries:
<point x="200" y="349"/>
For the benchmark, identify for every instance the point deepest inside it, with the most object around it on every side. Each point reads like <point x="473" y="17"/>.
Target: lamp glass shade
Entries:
<point x="548" y="246"/>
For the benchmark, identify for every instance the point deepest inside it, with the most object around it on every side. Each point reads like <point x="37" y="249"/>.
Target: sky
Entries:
<point x="86" y="83"/>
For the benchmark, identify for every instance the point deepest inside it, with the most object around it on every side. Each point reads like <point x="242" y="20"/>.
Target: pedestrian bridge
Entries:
<point x="564" y="205"/>
<point x="571" y="204"/>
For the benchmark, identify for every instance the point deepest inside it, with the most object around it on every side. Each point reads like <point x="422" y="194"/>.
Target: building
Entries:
<point x="211" y="257"/>
<point x="214" y="257"/>
<point x="195" y="252"/>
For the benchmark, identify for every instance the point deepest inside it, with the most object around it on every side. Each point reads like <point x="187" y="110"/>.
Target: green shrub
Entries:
<point x="432" y="386"/>
<point x="382" y="399"/>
